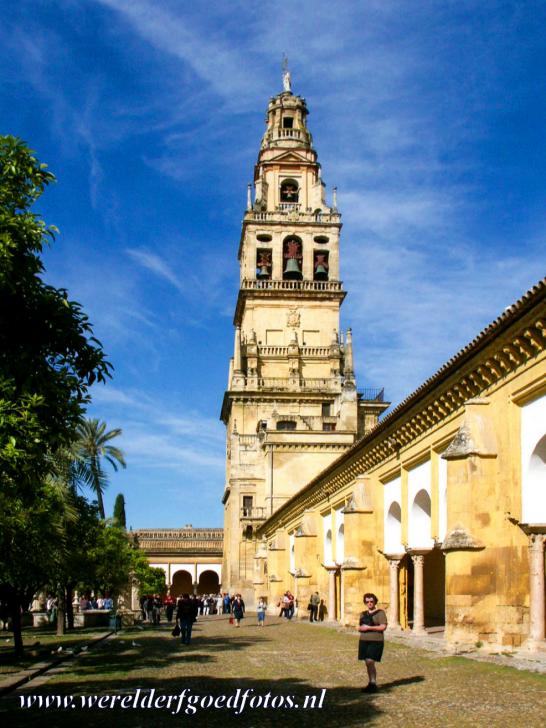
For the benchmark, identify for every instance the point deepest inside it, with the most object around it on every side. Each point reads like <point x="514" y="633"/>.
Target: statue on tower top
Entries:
<point x="286" y="78"/>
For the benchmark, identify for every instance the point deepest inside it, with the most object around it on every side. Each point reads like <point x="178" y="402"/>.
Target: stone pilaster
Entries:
<point x="536" y="592"/>
<point x="418" y="594"/>
<point x="394" y="609"/>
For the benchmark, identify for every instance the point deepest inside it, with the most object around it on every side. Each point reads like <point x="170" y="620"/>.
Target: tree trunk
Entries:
<point x="69" y="606"/>
<point x="61" y="609"/>
<point x="14" y="605"/>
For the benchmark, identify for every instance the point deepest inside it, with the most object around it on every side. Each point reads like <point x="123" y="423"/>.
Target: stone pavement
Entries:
<point x="294" y="660"/>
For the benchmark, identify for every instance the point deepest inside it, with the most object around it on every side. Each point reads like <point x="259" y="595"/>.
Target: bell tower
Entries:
<point x="291" y="406"/>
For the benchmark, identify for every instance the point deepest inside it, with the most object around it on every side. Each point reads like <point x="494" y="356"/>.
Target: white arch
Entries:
<point x="328" y="550"/>
<point x="442" y="498"/>
<point x="419" y="498"/>
<point x="188" y="568"/>
<point x="217" y="568"/>
<point x="393" y="530"/>
<point x="340" y="534"/>
<point x="420" y="521"/>
<point x="392" y="517"/>
<point x="533" y="461"/>
<point x="328" y="553"/>
<point x="340" y="544"/>
<point x="292" y="552"/>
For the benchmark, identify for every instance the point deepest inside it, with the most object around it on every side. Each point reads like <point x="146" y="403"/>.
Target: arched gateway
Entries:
<point x="190" y="557"/>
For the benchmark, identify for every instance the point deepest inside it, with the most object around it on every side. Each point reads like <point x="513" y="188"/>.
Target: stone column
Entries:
<point x="331" y="595"/>
<point x="418" y="594"/>
<point x="536" y="590"/>
<point x="394" y="612"/>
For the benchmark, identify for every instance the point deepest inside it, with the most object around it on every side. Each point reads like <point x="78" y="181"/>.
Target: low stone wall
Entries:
<point x="93" y="618"/>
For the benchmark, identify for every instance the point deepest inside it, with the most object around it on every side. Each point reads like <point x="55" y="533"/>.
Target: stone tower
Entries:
<point x="291" y="406"/>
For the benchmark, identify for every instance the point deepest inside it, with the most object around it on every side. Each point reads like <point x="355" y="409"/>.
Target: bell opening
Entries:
<point x="320" y="266"/>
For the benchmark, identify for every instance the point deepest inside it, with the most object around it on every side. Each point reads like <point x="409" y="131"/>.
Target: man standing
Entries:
<point x="314" y="603"/>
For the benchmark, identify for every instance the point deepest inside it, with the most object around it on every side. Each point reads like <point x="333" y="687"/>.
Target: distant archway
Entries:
<point x="182" y="583"/>
<point x="208" y="583"/>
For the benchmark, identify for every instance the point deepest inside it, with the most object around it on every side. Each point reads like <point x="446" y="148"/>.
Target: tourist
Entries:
<point x="185" y="616"/>
<point x="313" y="607"/>
<point x="322" y="610"/>
<point x="372" y="625"/>
<point x="149" y="609"/>
<point x="169" y="607"/>
<point x="226" y="604"/>
<point x="238" y="609"/>
<point x="261" y="609"/>
<point x="156" y="609"/>
<point x="291" y="605"/>
<point x="219" y="604"/>
<point x="108" y="602"/>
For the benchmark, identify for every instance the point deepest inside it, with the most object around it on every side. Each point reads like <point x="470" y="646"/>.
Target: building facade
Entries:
<point x="441" y="509"/>
<point x="291" y="406"/>
<point x="190" y="557"/>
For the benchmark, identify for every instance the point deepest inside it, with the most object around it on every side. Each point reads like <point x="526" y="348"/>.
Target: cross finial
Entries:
<point x="286" y="79"/>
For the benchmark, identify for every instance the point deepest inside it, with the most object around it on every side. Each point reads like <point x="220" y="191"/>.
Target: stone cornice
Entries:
<point x="509" y="343"/>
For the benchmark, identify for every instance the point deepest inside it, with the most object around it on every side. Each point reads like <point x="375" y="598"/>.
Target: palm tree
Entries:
<point x="93" y="448"/>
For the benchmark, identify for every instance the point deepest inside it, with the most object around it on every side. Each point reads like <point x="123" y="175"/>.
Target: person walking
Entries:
<point x="372" y="625"/>
<point x="314" y="605"/>
<point x="185" y="616"/>
<point x="238" y="609"/>
<point x="261" y="610"/>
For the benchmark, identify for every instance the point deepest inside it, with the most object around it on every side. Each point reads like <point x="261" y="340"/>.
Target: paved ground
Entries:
<point x="417" y="688"/>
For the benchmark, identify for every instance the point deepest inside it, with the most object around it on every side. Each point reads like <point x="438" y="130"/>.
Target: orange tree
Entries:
<point x="48" y="360"/>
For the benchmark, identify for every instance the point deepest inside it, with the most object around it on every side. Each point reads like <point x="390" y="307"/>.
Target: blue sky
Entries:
<point x="429" y="117"/>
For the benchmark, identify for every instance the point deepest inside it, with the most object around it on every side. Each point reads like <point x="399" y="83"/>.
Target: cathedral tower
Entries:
<point x="291" y="406"/>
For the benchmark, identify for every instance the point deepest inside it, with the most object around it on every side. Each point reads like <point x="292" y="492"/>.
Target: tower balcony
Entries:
<point x="293" y="384"/>
<point x="291" y="212"/>
<point x="249" y="284"/>
<point x="253" y="513"/>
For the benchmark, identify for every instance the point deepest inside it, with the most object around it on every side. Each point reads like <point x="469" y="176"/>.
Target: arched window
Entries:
<point x="289" y="191"/>
<point x="286" y="425"/>
<point x="292" y="257"/>
<point x="320" y="265"/>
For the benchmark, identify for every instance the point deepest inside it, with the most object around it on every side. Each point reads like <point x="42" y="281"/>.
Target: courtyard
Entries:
<point x="313" y="668"/>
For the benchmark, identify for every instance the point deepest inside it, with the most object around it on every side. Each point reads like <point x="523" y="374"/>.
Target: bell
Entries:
<point x="262" y="272"/>
<point x="321" y="274"/>
<point x="292" y="270"/>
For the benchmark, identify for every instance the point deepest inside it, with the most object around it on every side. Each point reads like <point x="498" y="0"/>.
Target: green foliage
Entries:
<point x="112" y="558"/>
<point x="119" y="511"/>
<point x="93" y="448"/>
<point x="48" y="360"/>
<point x="150" y="579"/>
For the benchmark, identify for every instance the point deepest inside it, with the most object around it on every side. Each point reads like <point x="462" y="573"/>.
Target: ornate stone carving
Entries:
<point x="293" y="318"/>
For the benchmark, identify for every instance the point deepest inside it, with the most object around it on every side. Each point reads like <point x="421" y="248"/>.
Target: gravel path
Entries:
<point x="295" y="661"/>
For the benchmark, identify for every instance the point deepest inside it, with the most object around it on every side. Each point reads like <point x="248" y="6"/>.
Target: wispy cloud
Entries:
<point x="156" y="436"/>
<point x="157" y="266"/>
